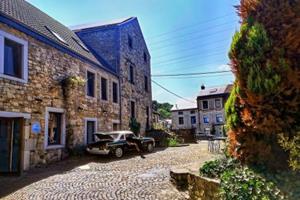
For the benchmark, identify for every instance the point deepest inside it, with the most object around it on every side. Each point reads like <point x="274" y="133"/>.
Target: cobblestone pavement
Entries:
<point x="108" y="178"/>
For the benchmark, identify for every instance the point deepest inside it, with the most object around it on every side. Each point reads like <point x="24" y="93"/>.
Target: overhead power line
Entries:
<point x="192" y="25"/>
<point x="195" y="77"/>
<point x="172" y="92"/>
<point x="187" y="58"/>
<point x="191" y="39"/>
<point x="189" y="33"/>
<point x="190" y="74"/>
<point x="222" y="46"/>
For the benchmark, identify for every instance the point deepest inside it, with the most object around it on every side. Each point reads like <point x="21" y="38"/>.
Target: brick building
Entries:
<point x="56" y="88"/>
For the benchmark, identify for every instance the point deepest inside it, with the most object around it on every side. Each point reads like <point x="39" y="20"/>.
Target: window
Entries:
<point x="205" y="105"/>
<point x="180" y="120"/>
<point x="54" y="128"/>
<point x="90" y="128"/>
<point x="131" y="74"/>
<point x="104" y="89"/>
<point x="206" y="119"/>
<point x="219" y="118"/>
<point x="116" y="127"/>
<point x="13" y="58"/>
<point x="192" y="112"/>
<point x="130" y="41"/>
<point x="146" y="83"/>
<point x="193" y="119"/>
<point x="147" y="117"/>
<point x="60" y="38"/>
<point x="90" y="84"/>
<point x="115" y="92"/>
<point x="145" y="57"/>
<point x="180" y="113"/>
<point x="80" y="43"/>
<point x="132" y="109"/>
<point x="218" y="103"/>
<point x="211" y="104"/>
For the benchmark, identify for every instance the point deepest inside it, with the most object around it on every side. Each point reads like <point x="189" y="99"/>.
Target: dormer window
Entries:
<point x="130" y="41"/>
<point x="80" y="43"/>
<point x="55" y="34"/>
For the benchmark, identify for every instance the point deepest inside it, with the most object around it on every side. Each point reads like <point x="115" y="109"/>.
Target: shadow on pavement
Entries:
<point x="10" y="184"/>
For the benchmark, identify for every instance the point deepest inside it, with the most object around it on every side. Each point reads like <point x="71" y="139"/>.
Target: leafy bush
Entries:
<point x="266" y="100"/>
<point x="135" y="126"/>
<point x="245" y="184"/>
<point x="172" y="142"/>
<point x="214" y="169"/>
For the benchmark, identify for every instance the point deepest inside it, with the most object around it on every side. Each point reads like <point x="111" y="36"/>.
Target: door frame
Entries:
<point x="85" y="139"/>
<point x="21" y="148"/>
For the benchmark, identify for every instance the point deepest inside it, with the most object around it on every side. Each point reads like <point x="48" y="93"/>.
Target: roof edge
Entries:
<point x="27" y="30"/>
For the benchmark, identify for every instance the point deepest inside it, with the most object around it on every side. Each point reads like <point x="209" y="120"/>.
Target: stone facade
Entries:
<point x="135" y="92"/>
<point x="111" y="43"/>
<point x="47" y="68"/>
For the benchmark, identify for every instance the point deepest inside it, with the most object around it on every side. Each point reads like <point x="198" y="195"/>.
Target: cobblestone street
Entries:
<point x="106" y="178"/>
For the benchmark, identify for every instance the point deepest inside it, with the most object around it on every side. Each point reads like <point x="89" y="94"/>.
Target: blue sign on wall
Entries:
<point x="36" y="127"/>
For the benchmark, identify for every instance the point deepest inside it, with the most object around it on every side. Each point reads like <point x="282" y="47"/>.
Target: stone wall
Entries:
<point x="187" y="135"/>
<point x="201" y="188"/>
<point x="47" y="68"/>
<point x="134" y="92"/>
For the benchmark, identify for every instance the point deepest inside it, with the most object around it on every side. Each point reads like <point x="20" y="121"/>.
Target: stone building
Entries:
<point x="186" y="118"/>
<point x="121" y="44"/>
<point x="210" y="103"/>
<point x="56" y="89"/>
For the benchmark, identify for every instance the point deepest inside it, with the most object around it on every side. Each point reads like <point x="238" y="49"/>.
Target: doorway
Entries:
<point x="10" y="145"/>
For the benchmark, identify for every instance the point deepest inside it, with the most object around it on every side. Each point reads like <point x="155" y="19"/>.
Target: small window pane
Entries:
<point x="131" y="74"/>
<point x="219" y="118"/>
<point x="146" y="83"/>
<point x="13" y="58"/>
<point x="104" y="89"/>
<point x="115" y="92"/>
<point x="90" y="84"/>
<point x="132" y="106"/>
<point x="180" y="113"/>
<point x="206" y="119"/>
<point x="205" y="104"/>
<point x="193" y="120"/>
<point x="180" y="120"/>
<point x="218" y="103"/>
<point x="130" y="42"/>
<point x="54" y="128"/>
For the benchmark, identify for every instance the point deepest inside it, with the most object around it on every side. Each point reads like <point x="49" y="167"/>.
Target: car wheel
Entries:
<point x="150" y="147"/>
<point x="119" y="152"/>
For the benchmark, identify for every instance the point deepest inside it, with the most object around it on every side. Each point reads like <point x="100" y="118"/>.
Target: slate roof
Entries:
<point x="225" y="89"/>
<point x="26" y="14"/>
<point x="101" y="24"/>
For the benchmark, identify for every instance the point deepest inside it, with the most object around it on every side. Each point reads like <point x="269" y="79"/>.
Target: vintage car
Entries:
<point x="116" y="143"/>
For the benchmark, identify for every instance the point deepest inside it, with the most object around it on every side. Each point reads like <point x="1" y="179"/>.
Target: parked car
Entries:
<point x="116" y="143"/>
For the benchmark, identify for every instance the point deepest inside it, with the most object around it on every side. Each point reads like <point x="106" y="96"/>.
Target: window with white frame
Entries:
<point x="55" y="128"/>
<point x="218" y="103"/>
<point x="206" y="119"/>
<point x="180" y="120"/>
<point x="90" y="85"/>
<point x="219" y="118"/>
<point x="204" y="104"/>
<point x="13" y="57"/>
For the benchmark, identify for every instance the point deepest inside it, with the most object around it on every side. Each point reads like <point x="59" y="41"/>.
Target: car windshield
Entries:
<point x="115" y="136"/>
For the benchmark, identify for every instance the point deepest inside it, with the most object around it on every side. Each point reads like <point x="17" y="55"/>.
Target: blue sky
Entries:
<point x="183" y="36"/>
